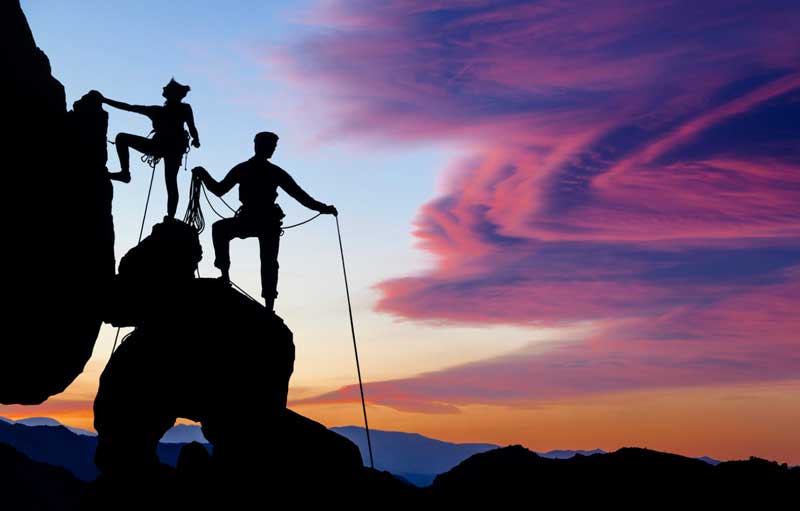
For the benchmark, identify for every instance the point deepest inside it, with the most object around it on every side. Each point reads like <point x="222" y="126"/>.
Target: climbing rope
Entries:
<point x="147" y="202"/>
<point x="151" y="161"/>
<point x="117" y="337"/>
<point x="234" y="284"/>
<point x="141" y="231"/>
<point x="283" y="228"/>
<point x="194" y="214"/>
<point x="198" y="182"/>
<point x="221" y="216"/>
<point x="355" y="346"/>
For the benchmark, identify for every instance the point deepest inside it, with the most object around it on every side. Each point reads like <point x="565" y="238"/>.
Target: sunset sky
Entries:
<point x="568" y="224"/>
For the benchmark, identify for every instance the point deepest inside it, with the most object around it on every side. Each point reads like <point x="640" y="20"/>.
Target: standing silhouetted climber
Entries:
<point x="259" y="216"/>
<point x="169" y="141"/>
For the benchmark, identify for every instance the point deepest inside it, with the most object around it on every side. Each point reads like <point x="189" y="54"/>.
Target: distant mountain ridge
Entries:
<point x="47" y="421"/>
<point x="56" y="445"/>
<point x="179" y="434"/>
<point x="503" y="477"/>
<point x="413" y="457"/>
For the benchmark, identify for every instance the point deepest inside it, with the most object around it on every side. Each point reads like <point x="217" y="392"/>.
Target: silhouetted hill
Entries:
<point x="418" y="459"/>
<point x="628" y="477"/>
<point x="184" y="434"/>
<point x="411" y="456"/>
<point x="29" y="485"/>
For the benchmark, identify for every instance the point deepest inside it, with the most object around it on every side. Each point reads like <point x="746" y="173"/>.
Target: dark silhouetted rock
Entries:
<point x="27" y="484"/>
<point x="156" y="276"/>
<point x="58" y="235"/>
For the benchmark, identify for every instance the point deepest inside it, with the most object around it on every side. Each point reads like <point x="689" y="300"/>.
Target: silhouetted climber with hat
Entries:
<point x="259" y="216"/>
<point x="170" y="140"/>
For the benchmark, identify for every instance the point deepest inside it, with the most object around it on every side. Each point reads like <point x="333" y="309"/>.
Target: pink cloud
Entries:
<point x="634" y="164"/>
<point x="753" y="338"/>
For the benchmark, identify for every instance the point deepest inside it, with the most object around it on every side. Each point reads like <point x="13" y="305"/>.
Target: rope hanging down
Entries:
<point x="194" y="207"/>
<point x="141" y="231"/>
<point x="194" y="215"/>
<point x="152" y="161"/>
<point x="212" y="206"/>
<point x="355" y="347"/>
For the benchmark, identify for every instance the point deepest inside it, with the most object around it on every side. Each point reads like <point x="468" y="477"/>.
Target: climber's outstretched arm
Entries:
<point x="137" y="109"/>
<point x="218" y="188"/>
<point x="291" y="187"/>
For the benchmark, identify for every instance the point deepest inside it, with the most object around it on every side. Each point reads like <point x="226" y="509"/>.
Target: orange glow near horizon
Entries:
<point x="727" y="422"/>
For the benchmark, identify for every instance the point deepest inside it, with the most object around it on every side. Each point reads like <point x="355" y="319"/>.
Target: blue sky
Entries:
<point x="128" y="51"/>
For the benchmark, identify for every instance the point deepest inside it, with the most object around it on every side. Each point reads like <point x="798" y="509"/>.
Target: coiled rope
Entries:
<point x="194" y="215"/>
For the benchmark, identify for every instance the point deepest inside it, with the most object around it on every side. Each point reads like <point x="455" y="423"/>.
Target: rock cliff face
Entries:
<point x="58" y="255"/>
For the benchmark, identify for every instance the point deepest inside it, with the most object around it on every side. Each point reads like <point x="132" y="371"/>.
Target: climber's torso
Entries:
<point x="168" y="121"/>
<point x="258" y="182"/>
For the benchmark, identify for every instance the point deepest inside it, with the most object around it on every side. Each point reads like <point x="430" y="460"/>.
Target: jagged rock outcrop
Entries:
<point x="157" y="277"/>
<point x="58" y="255"/>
